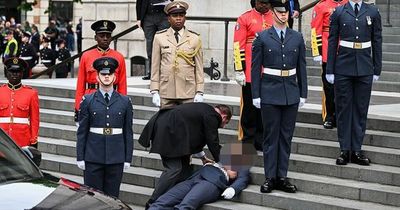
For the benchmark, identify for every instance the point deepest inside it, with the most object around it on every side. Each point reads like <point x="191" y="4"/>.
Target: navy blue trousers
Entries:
<point x="104" y="177"/>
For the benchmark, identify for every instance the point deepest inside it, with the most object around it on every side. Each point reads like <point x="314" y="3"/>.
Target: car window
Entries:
<point x="14" y="165"/>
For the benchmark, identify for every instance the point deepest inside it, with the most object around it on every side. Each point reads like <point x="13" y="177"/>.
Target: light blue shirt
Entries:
<point x="353" y="4"/>
<point x="104" y="92"/>
<point x="278" y="31"/>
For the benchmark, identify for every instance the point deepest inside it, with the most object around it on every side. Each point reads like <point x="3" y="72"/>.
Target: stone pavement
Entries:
<point x="385" y="104"/>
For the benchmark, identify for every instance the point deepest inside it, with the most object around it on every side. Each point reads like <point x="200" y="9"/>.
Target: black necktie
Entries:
<point x="282" y="37"/>
<point x="106" y="98"/>
<point x="176" y="36"/>
<point x="356" y="9"/>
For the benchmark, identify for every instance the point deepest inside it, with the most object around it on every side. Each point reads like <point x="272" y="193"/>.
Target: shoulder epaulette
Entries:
<point x="247" y="11"/>
<point x="194" y="32"/>
<point x="162" y="31"/>
<point x="27" y="86"/>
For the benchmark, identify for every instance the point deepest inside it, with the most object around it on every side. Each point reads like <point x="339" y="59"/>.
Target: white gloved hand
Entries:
<point x="240" y="78"/>
<point x="330" y="78"/>
<point x="302" y="102"/>
<point x="228" y="193"/>
<point x="318" y="59"/>
<point x="198" y="97"/>
<point x="81" y="164"/>
<point x="126" y="165"/>
<point x="375" y="78"/>
<point x="257" y="102"/>
<point x="156" y="99"/>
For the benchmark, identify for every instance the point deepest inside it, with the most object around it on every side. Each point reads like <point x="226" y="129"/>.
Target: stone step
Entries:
<point x="377" y="86"/>
<point x="384" y="2"/>
<point x="386" y="76"/>
<point x="390" y="30"/>
<point x="391" y="47"/>
<point x="143" y="110"/>
<point x="299" y="163"/>
<point x="313" y="184"/>
<point x="132" y="195"/>
<point x="392" y="56"/>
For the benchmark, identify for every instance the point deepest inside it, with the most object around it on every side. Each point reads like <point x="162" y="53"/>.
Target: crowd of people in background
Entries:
<point x="40" y="49"/>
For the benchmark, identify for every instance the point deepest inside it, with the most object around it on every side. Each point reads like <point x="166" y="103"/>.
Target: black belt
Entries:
<point x="96" y="86"/>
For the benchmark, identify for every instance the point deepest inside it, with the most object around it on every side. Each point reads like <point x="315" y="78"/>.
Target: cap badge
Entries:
<point x="283" y="1"/>
<point x="105" y="23"/>
<point x="105" y="63"/>
<point x="15" y="61"/>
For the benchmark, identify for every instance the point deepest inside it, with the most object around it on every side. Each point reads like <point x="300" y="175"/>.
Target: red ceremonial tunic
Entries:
<point x="247" y="25"/>
<point x="87" y="74"/>
<point x="320" y="26"/>
<point x="19" y="114"/>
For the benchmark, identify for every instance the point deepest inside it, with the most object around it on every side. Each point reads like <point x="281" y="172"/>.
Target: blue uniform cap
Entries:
<point x="15" y="64"/>
<point x="105" y="65"/>
<point x="103" y="26"/>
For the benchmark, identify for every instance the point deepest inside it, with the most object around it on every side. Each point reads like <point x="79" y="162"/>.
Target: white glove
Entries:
<point x="257" y="102"/>
<point x="302" y="102"/>
<point x="330" y="78"/>
<point x="375" y="78"/>
<point x="228" y="193"/>
<point x="240" y="78"/>
<point x="126" y="166"/>
<point x="156" y="99"/>
<point x="318" y="59"/>
<point x="81" y="164"/>
<point x="198" y="97"/>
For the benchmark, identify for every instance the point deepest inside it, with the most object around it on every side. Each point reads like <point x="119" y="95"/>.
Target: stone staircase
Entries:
<point x="321" y="183"/>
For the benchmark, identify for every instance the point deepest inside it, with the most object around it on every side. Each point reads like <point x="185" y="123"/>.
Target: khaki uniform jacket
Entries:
<point x="171" y="74"/>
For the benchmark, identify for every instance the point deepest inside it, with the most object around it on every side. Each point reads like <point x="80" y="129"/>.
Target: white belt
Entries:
<point x="14" y="120"/>
<point x="106" y="131"/>
<point x="26" y="58"/>
<point x="279" y="72"/>
<point x="355" y="45"/>
<point x="46" y="61"/>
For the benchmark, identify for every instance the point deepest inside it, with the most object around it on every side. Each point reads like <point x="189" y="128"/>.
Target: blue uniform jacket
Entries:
<point x="269" y="52"/>
<point x="364" y="27"/>
<point x="214" y="175"/>
<point x="99" y="148"/>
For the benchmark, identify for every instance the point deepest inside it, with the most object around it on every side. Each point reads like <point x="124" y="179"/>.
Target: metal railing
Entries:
<point x="302" y="10"/>
<point x="72" y="58"/>
<point x="387" y="24"/>
<point x="226" y="20"/>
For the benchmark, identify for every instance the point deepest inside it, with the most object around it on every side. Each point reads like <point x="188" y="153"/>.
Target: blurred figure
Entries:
<point x="70" y="37"/>
<point x="19" y="115"/>
<point x="53" y="33"/>
<point x="62" y="54"/>
<point x="47" y="55"/>
<point x="28" y="54"/>
<point x="151" y="17"/>
<point x="79" y="35"/>
<point x="11" y="47"/>
<point x="35" y="38"/>
<point x="294" y="11"/>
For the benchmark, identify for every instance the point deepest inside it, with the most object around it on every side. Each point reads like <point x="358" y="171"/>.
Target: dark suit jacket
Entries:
<point x="99" y="148"/>
<point x="215" y="176"/>
<point x="345" y="25"/>
<point x="183" y="130"/>
<point x="35" y="41"/>
<point x="268" y="53"/>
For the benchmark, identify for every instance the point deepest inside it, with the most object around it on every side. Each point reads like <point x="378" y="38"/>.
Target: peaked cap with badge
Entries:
<point x="15" y="64"/>
<point x="280" y="5"/>
<point x="103" y="26"/>
<point x="105" y="65"/>
<point x="176" y="7"/>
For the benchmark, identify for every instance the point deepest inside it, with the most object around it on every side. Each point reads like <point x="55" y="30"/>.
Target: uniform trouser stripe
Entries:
<point x="328" y="97"/>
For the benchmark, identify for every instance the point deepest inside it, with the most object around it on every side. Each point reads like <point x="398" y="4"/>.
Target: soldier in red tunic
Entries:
<point x="319" y="43"/>
<point x="87" y="82"/>
<point x="248" y="24"/>
<point x="19" y="105"/>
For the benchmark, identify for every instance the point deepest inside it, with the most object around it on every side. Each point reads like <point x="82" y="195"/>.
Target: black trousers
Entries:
<point x="279" y="123"/>
<point x="104" y="177"/>
<point x="176" y="170"/>
<point x="250" y="119"/>
<point x="328" y="103"/>
<point x="352" y="96"/>
<point x="152" y="23"/>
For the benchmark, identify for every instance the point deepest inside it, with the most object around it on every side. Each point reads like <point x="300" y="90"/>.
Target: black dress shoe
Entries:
<point x="343" y="159"/>
<point x="268" y="185"/>
<point x="359" y="158"/>
<point x="147" y="77"/>
<point x="328" y="125"/>
<point x="284" y="185"/>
